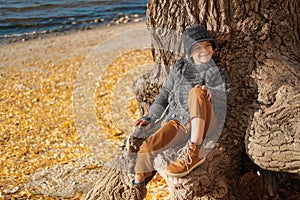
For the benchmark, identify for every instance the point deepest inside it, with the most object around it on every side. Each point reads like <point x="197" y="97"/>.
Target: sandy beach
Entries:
<point x="44" y="91"/>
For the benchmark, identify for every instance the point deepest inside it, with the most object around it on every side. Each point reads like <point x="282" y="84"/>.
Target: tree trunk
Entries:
<point x="258" y="45"/>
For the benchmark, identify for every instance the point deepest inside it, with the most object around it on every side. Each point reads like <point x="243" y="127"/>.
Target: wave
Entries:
<point x="23" y="34"/>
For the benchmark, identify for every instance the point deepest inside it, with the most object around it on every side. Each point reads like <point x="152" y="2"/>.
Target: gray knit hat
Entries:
<point x="195" y="34"/>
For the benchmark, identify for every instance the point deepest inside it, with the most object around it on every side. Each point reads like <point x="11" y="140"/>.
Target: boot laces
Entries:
<point x="185" y="155"/>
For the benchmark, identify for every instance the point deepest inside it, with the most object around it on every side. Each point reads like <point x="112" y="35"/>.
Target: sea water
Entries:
<point x="26" y="17"/>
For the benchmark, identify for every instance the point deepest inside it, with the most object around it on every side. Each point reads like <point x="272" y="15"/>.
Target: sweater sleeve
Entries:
<point x="161" y="102"/>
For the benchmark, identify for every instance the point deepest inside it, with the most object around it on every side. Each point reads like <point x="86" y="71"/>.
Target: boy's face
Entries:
<point x="202" y="52"/>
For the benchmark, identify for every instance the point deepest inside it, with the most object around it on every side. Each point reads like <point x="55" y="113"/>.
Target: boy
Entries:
<point x="192" y="92"/>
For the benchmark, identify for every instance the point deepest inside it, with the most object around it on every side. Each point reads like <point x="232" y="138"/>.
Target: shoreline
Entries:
<point x="121" y="20"/>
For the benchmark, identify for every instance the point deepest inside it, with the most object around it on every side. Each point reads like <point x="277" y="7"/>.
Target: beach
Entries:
<point x="43" y="127"/>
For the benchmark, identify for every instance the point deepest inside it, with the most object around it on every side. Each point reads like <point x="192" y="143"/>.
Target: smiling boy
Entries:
<point x="192" y="93"/>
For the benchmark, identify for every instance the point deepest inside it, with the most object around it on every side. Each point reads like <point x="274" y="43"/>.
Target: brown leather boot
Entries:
<point x="138" y="191"/>
<point x="190" y="157"/>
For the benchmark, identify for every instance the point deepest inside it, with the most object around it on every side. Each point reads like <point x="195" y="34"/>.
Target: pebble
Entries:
<point x="123" y="19"/>
<point x="96" y="21"/>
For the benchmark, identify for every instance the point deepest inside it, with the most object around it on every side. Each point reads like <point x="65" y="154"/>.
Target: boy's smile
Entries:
<point x="202" y="52"/>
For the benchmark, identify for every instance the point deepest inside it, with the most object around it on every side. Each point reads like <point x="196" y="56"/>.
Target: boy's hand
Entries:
<point x="203" y="87"/>
<point x="141" y="123"/>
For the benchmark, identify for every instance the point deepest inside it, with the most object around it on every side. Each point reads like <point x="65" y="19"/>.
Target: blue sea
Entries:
<point x="27" y="17"/>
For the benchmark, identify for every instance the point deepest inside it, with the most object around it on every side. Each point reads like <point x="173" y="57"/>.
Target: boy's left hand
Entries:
<point x="203" y="87"/>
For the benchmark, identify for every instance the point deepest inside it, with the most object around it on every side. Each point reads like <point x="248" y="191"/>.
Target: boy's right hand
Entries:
<point x="141" y="122"/>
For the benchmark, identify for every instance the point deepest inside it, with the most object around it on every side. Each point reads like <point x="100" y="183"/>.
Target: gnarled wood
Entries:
<point x="274" y="134"/>
<point x="273" y="141"/>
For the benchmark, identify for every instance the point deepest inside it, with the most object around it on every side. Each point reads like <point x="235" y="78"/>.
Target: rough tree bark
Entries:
<point x="258" y="45"/>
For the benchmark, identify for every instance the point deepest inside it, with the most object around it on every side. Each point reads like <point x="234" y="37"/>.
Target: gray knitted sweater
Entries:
<point x="173" y="96"/>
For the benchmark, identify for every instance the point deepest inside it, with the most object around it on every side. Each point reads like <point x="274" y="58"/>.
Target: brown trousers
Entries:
<point x="173" y="133"/>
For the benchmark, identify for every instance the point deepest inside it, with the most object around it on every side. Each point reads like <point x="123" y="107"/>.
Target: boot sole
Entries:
<point x="188" y="171"/>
